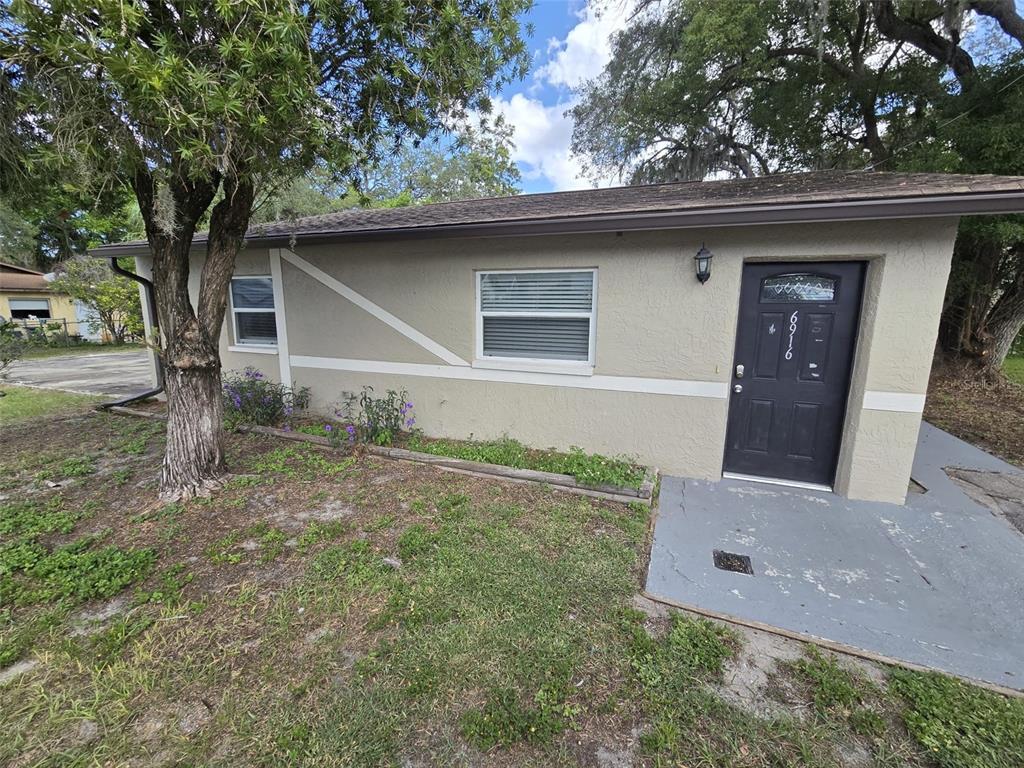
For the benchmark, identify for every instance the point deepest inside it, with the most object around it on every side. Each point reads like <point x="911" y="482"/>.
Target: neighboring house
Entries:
<point x="799" y="353"/>
<point x="89" y="325"/>
<point x="26" y="297"/>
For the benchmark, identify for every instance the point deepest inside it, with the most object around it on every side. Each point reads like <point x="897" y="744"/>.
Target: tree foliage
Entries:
<point x="200" y="106"/>
<point x="475" y="163"/>
<point x="112" y="299"/>
<point x="47" y="223"/>
<point x="743" y="88"/>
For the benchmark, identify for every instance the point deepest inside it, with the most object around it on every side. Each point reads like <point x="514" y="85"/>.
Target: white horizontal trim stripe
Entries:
<point x="679" y="387"/>
<point x="904" y="402"/>
<point x="777" y="481"/>
<point x="377" y="311"/>
<point x="253" y="349"/>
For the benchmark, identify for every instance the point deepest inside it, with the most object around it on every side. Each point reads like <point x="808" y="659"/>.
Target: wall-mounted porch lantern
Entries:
<point x="702" y="261"/>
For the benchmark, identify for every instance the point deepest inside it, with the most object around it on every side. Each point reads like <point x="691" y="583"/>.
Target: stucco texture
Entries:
<point x="654" y="321"/>
<point x="61" y="306"/>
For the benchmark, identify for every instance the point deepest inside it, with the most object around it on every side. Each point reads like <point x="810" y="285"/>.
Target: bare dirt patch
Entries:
<point x="989" y="414"/>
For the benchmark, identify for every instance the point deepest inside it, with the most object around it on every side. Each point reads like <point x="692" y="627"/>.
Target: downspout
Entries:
<point x="151" y="311"/>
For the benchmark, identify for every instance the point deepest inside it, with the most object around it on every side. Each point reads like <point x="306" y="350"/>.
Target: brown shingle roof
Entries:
<point x="17" y="278"/>
<point x="769" y="192"/>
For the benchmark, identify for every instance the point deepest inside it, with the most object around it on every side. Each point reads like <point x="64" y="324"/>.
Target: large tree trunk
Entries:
<point x="194" y="456"/>
<point x="984" y="308"/>
<point x="1005" y="323"/>
<point x="194" y="459"/>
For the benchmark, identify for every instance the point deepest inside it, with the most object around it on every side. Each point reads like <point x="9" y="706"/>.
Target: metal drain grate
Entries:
<point x="729" y="561"/>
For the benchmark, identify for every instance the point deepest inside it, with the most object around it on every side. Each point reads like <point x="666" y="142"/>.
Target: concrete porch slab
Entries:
<point x="938" y="582"/>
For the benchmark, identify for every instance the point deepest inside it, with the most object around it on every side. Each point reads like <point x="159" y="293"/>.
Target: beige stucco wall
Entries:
<point x="61" y="306"/>
<point x="654" y="321"/>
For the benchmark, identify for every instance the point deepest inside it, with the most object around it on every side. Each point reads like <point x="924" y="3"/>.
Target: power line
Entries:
<point x="871" y="166"/>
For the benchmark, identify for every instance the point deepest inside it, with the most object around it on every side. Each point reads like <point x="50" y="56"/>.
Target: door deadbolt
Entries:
<point x="739" y="371"/>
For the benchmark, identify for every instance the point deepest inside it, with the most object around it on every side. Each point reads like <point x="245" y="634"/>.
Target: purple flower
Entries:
<point x="328" y="428"/>
<point x="410" y="422"/>
<point x="408" y="406"/>
<point x="287" y="427"/>
<point x="351" y="430"/>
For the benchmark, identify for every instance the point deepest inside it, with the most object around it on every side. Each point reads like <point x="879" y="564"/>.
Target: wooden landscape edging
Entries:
<point x="643" y="495"/>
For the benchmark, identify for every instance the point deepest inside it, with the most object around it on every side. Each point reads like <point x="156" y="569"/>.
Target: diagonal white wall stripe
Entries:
<point x="379" y="312"/>
<point x="712" y="389"/>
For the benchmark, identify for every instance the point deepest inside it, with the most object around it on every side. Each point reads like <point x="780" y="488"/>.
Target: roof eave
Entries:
<point x="764" y="214"/>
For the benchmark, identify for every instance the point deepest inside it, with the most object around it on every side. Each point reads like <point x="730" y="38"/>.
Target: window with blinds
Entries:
<point x="539" y="316"/>
<point x="252" y="305"/>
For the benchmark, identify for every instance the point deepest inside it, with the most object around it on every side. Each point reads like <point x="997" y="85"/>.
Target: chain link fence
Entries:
<point x="61" y="332"/>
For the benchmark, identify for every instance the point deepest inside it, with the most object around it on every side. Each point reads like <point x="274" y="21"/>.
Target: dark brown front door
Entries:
<point x="794" y="349"/>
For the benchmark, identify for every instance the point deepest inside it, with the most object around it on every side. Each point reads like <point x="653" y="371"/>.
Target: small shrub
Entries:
<point x="375" y="420"/>
<point x="249" y="398"/>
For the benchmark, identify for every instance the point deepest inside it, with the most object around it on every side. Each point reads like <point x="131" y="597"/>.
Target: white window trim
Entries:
<point x="539" y="365"/>
<point x="250" y="346"/>
<point x="256" y="349"/>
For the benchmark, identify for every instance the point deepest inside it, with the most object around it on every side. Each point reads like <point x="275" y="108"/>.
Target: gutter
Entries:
<point x="746" y="215"/>
<point x="147" y="285"/>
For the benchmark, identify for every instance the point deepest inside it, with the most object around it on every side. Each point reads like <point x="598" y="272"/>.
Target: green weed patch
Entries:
<point x="587" y="468"/>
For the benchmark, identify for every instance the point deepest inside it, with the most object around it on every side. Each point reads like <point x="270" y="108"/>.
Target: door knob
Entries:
<point x="739" y="371"/>
<point x="737" y="388"/>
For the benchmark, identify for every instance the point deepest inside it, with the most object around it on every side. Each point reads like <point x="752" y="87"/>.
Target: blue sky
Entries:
<point x="569" y="45"/>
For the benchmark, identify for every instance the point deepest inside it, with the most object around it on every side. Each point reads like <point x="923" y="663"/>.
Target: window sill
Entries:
<point x="258" y="349"/>
<point x="536" y="366"/>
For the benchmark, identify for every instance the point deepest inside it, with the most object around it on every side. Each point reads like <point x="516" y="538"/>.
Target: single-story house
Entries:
<point x="27" y="298"/>
<point x="779" y="328"/>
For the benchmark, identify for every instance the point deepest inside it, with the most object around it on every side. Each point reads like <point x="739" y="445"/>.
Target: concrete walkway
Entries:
<point x="938" y="582"/>
<point x="116" y="374"/>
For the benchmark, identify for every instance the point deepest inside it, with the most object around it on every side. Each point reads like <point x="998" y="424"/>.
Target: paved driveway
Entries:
<point x="939" y="581"/>
<point x="116" y="374"/>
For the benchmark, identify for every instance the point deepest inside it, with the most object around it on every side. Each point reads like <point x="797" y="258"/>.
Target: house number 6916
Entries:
<point x="792" y="332"/>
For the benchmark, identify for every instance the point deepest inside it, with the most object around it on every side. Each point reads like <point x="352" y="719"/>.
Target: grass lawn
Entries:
<point x="332" y="610"/>
<point x="21" y="403"/>
<point x="1014" y="369"/>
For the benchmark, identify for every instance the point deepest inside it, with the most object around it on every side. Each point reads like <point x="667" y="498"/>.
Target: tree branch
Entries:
<point x="920" y="34"/>
<point x="1005" y="13"/>
<point x="809" y="52"/>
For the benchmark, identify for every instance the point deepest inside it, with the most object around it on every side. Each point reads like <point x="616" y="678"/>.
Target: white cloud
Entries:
<point x="587" y="48"/>
<point x="541" y="132"/>
<point x="540" y="138"/>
